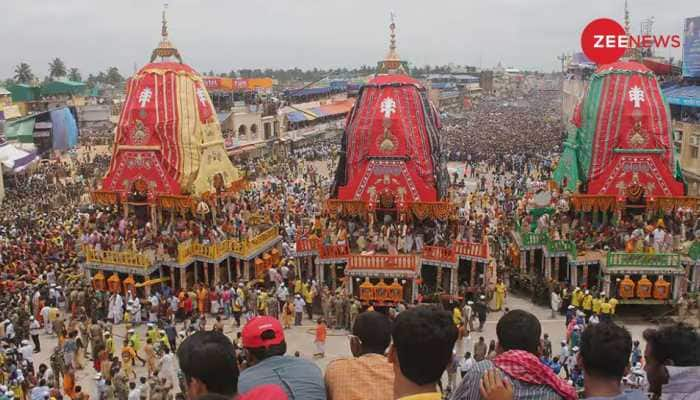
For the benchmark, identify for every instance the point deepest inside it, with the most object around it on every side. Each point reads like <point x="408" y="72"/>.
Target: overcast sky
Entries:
<point x="225" y="34"/>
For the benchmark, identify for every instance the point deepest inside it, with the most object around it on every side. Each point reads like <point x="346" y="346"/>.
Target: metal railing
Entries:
<point x="121" y="258"/>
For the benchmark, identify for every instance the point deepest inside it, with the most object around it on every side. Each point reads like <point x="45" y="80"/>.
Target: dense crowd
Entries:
<point x="492" y="130"/>
<point x="228" y="339"/>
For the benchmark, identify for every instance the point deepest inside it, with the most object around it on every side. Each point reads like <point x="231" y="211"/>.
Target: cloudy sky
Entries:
<point x="226" y="34"/>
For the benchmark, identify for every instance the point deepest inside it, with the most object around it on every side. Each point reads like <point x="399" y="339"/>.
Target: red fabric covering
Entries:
<point x="526" y="367"/>
<point x="389" y="151"/>
<point x="148" y="142"/>
<point x="632" y="141"/>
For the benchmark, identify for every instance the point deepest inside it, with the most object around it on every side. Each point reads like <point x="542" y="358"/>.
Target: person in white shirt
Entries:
<point x="27" y="351"/>
<point x="9" y="330"/>
<point x="134" y="392"/>
<point x="466" y="363"/>
<point x="45" y="316"/>
<point x="563" y="358"/>
<point x="34" y="331"/>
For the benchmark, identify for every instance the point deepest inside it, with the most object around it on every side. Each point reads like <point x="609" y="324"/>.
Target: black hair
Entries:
<point x="679" y="343"/>
<point x="519" y="330"/>
<point x="210" y="357"/>
<point x="261" y="353"/>
<point x="423" y="340"/>
<point x="213" y="396"/>
<point x="374" y="330"/>
<point x="605" y="350"/>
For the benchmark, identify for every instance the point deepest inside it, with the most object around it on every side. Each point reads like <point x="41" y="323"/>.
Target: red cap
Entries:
<point x="253" y="330"/>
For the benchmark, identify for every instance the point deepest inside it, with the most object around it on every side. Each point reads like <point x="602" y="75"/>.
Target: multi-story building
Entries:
<point x="685" y="112"/>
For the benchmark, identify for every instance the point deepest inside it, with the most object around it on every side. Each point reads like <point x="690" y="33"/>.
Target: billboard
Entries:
<point x="691" y="48"/>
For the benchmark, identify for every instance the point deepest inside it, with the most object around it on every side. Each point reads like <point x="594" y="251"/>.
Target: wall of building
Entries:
<point x="687" y="137"/>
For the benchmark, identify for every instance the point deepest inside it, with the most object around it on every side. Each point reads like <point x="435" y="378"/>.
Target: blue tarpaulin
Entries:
<point x="65" y="129"/>
<point x="683" y="95"/>
<point x="296" y="116"/>
<point x="307" y="91"/>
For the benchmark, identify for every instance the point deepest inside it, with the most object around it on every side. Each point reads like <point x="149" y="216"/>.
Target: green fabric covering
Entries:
<point x="585" y="135"/>
<point x="63" y="88"/>
<point x="23" y="92"/>
<point x="694" y="251"/>
<point x="20" y="130"/>
<point x="568" y="167"/>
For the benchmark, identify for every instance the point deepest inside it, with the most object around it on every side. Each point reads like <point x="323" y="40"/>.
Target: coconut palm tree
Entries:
<point x="74" y="75"/>
<point x="57" y="68"/>
<point x="23" y="73"/>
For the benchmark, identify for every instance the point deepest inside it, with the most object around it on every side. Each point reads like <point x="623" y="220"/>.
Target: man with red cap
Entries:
<point x="264" y="348"/>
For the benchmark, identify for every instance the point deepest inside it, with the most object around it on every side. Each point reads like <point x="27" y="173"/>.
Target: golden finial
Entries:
<point x="164" y="28"/>
<point x="392" y="62"/>
<point x="165" y="48"/>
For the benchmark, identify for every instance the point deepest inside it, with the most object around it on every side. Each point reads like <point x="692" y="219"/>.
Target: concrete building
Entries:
<point x="684" y="101"/>
<point x="249" y="123"/>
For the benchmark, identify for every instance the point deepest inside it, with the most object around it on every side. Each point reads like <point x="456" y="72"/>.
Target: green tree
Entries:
<point x="113" y="76"/>
<point x="74" y="75"/>
<point x="57" y="68"/>
<point x="23" y="73"/>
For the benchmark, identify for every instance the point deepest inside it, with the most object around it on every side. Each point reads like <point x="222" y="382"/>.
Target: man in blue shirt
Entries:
<point x="264" y="348"/>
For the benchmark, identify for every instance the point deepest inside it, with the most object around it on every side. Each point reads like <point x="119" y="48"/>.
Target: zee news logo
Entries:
<point x="604" y="41"/>
<point x="639" y="41"/>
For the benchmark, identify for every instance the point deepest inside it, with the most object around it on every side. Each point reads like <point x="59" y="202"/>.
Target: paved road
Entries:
<point x="301" y="338"/>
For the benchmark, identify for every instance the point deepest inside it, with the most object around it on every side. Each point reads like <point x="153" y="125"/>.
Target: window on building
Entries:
<point x="253" y="129"/>
<point x="268" y="130"/>
<point x="242" y="130"/>
<point x="694" y="146"/>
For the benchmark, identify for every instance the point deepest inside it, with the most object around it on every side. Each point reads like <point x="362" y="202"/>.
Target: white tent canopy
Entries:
<point x="9" y="155"/>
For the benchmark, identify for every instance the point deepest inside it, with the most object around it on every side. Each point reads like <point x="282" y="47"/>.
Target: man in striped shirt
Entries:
<point x="518" y="351"/>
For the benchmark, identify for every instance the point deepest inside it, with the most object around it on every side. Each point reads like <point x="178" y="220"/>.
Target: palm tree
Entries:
<point x="74" y="75"/>
<point x="57" y="68"/>
<point x="23" y="73"/>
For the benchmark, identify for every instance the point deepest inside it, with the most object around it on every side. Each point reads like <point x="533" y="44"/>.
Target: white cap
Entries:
<point x="162" y="331"/>
<point x="130" y="330"/>
<point x="150" y="325"/>
<point x="482" y="297"/>
<point x="575" y="349"/>
<point x="563" y="342"/>
<point x="240" y="284"/>
<point x="571" y="307"/>
<point x="25" y="342"/>
<point x="98" y="376"/>
<point x="470" y="302"/>
<point x="587" y="291"/>
<point x="105" y="334"/>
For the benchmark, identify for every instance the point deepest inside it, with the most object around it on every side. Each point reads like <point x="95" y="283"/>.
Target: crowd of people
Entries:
<point x="216" y="342"/>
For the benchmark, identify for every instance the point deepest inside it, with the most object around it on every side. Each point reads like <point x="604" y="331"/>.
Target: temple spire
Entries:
<point x="165" y="48"/>
<point x="392" y="63"/>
